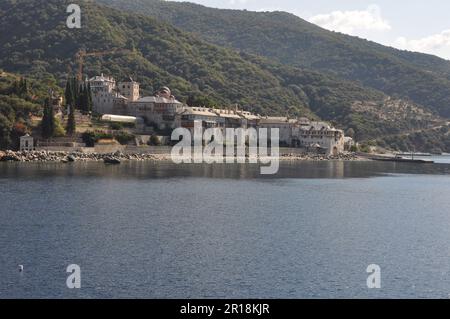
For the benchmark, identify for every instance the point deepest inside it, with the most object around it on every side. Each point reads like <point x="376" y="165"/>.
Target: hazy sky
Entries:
<point x="414" y="25"/>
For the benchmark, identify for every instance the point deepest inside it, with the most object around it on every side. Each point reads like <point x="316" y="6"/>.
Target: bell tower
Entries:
<point x="130" y="89"/>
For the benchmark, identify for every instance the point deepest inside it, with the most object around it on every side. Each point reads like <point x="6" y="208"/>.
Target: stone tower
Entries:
<point x="130" y="89"/>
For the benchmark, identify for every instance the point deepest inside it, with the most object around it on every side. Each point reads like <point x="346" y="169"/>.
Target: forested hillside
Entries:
<point x="36" y="42"/>
<point x="288" y="39"/>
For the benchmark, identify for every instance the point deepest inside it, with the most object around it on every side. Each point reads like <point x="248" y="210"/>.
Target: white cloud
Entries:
<point x="353" y="22"/>
<point x="235" y="2"/>
<point x="438" y="44"/>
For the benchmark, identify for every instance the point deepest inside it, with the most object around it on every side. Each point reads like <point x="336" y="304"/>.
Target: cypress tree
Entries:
<point x="44" y="122"/>
<point x="69" y="95"/>
<point x="71" y="124"/>
<point x="76" y="91"/>
<point x="89" y="95"/>
<point x="87" y="99"/>
<point x="48" y="120"/>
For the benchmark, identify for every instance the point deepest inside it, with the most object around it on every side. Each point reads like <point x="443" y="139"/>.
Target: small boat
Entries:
<point x="111" y="160"/>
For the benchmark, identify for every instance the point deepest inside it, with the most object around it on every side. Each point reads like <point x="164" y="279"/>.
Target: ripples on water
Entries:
<point x="165" y="231"/>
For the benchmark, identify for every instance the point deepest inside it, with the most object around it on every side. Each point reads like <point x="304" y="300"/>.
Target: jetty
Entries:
<point x="399" y="159"/>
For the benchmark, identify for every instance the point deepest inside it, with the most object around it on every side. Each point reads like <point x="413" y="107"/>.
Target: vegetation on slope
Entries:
<point x="37" y="42"/>
<point x="288" y="39"/>
<point x="19" y="99"/>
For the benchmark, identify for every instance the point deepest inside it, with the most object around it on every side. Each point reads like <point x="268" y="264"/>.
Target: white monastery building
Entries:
<point x="164" y="112"/>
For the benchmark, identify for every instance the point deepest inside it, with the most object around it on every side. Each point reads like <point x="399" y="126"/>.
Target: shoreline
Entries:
<point x="68" y="157"/>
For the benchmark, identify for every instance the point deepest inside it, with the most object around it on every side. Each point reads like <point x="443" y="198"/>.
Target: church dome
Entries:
<point x="165" y="90"/>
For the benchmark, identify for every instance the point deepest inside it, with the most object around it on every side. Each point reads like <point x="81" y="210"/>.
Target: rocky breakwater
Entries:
<point x="320" y="157"/>
<point x="65" y="157"/>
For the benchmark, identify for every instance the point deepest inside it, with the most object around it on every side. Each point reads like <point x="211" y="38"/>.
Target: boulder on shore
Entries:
<point x="2" y="154"/>
<point x="111" y="160"/>
<point x="10" y="156"/>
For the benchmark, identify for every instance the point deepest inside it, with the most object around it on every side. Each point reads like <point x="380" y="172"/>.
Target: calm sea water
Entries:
<point x="164" y="231"/>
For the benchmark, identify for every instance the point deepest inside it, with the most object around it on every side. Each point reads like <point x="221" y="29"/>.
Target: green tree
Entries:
<point x="5" y="129"/>
<point x="69" y="94"/>
<point x="85" y="99"/>
<point x="20" y="88"/>
<point x="48" y="120"/>
<point x="154" y="140"/>
<point x="72" y="92"/>
<point x="89" y="97"/>
<point x="59" y="129"/>
<point x="200" y="100"/>
<point x="350" y="132"/>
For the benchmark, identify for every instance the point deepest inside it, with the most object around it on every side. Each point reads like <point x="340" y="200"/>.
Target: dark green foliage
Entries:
<point x="350" y="133"/>
<point x="198" y="73"/>
<point x="20" y="88"/>
<point x="48" y="121"/>
<point x="78" y="95"/>
<point x="85" y="99"/>
<point x="115" y="126"/>
<point x="291" y="40"/>
<point x="17" y="102"/>
<point x="154" y="140"/>
<point x="163" y="55"/>
<point x="36" y="42"/>
<point x="69" y="94"/>
<point x="200" y="100"/>
<point x="90" y="138"/>
<point x="123" y="137"/>
<point x="5" y="131"/>
<point x="435" y="140"/>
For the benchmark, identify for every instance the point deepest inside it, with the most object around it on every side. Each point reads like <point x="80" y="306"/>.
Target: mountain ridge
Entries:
<point x="37" y="43"/>
<point x="288" y="39"/>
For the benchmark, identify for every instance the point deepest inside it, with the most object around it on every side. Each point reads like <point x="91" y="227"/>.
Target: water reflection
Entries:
<point x="150" y="170"/>
<point x="146" y="230"/>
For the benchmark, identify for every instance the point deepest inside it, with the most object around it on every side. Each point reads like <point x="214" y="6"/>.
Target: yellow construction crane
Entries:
<point x="80" y="55"/>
